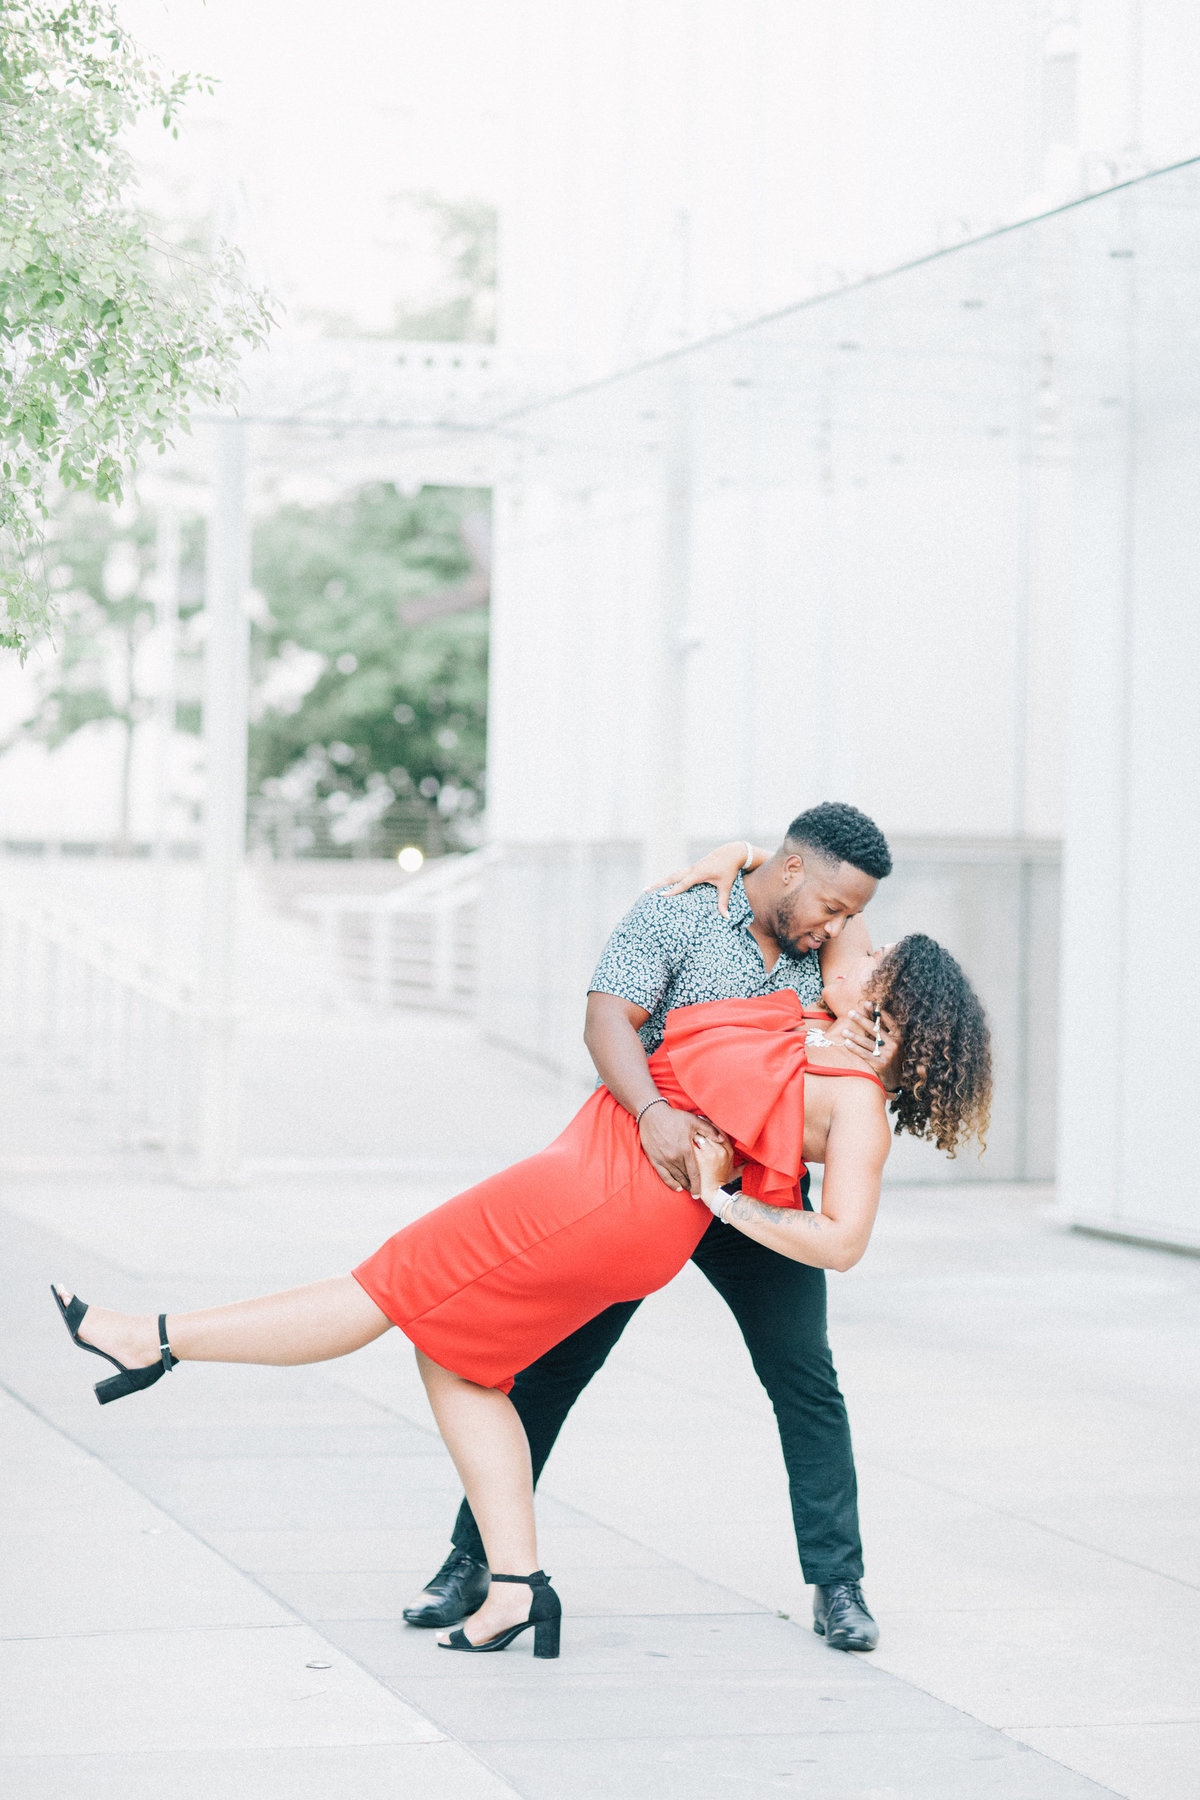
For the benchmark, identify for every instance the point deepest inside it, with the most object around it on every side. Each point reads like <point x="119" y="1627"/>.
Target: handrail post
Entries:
<point x="443" y="953"/>
<point x="380" y="975"/>
<point x="226" y="676"/>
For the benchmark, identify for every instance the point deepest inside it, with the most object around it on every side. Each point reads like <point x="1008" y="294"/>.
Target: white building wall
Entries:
<point x="894" y="629"/>
<point x="682" y="165"/>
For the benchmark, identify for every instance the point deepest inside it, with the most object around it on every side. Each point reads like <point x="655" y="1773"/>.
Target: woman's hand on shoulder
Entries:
<point x="720" y="868"/>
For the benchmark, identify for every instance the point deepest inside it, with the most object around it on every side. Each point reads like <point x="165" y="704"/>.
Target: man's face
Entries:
<point x="817" y="899"/>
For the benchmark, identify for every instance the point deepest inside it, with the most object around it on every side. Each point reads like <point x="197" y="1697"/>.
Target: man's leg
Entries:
<point x="780" y="1308"/>
<point x="543" y="1395"/>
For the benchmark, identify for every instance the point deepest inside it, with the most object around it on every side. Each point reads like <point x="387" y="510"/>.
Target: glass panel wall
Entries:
<point x="896" y="545"/>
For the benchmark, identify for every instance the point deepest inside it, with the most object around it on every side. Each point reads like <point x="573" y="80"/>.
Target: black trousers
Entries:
<point x="780" y="1308"/>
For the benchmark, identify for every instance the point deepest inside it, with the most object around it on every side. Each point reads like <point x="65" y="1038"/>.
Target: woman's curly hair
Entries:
<point x="946" y="1054"/>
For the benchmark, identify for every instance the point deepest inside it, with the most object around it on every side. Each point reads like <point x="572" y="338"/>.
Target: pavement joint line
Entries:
<point x="753" y="1609"/>
<point x="866" y="1462"/>
<point x="589" y="1518"/>
<point x="1006" y="1512"/>
<point x="129" y="1631"/>
<point x="248" y="1575"/>
<point x="99" y="1255"/>
<point x="390" y="1411"/>
<point x="1094" y="1725"/>
<point x="1059" y="1764"/>
<point x="598" y="1618"/>
<point x="640" y="1737"/>
<point x="833" y="1732"/>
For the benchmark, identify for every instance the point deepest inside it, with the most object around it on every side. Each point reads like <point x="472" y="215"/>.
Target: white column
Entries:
<point x="166" y="611"/>
<point x="166" y="620"/>
<point x="226" y="661"/>
<point x="666" y="838"/>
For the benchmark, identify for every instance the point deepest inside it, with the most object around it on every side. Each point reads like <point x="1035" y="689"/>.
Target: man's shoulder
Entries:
<point x="670" y="915"/>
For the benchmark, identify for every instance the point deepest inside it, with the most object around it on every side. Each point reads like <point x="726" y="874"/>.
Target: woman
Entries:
<point x="486" y="1283"/>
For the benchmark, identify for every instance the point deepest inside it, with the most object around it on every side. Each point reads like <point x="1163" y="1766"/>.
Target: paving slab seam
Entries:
<point x="366" y="1663"/>
<point x="247" y="1575"/>
<point x="1071" y="1770"/>
<point x="753" y="1609"/>
<point x="607" y="1619"/>
<point x="757" y="1737"/>
<point x="651" y="1373"/>
<point x="1192" y="1718"/>
<point x="547" y="1489"/>
<point x="132" y="1631"/>
<point x="1005" y="1512"/>
<point x="474" y="1747"/>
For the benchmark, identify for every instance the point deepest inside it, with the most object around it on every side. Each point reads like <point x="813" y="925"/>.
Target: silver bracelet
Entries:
<point x="658" y="1100"/>
<point x="749" y="854"/>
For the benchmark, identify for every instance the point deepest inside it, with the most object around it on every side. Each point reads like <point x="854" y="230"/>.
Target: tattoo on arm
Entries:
<point x="788" y="1216"/>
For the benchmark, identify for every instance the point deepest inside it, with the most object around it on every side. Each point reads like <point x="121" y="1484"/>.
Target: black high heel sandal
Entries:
<point x="126" y="1381"/>
<point x="545" y="1616"/>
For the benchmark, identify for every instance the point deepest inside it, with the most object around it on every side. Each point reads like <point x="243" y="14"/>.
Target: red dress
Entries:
<point x="490" y="1281"/>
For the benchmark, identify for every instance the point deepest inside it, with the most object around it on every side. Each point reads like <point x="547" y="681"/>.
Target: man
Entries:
<point x="784" y="922"/>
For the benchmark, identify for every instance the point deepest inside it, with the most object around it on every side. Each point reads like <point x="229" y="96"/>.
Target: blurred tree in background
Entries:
<point x="463" y="306"/>
<point x="369" y="649"/>
<point x="101" y="568"/>
<point x="370" y="672"/>
<point x="107" y="335"/>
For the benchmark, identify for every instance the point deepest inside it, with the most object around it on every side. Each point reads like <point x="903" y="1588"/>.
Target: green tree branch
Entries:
<point x="106" y="340"/>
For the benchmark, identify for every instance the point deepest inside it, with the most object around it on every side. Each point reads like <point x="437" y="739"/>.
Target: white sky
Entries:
<point x="321" y="115"/>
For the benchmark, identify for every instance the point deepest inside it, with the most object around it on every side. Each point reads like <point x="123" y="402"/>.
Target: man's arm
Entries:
<point x="851" y="942"/>
<point x="611" y="1036"/>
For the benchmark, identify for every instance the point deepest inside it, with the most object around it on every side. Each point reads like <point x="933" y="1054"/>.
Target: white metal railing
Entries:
<point x="84" y="1013"/>
<point x="414" y="946"/>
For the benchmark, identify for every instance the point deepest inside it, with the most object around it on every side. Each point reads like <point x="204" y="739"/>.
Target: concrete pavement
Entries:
<point x="1023" y="1403"/>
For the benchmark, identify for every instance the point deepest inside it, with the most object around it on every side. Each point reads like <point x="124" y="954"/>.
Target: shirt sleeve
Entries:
<point x="639" y="961"/>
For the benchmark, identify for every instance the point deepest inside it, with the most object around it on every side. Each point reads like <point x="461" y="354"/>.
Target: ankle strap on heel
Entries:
<point x="168" y="1360"/>
<point x="539" y="1578"/>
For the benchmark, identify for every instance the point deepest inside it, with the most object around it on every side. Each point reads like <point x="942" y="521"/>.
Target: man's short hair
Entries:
<point x="841" y="833"/>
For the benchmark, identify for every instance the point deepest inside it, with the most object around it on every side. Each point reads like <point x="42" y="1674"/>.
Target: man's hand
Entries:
<point x="720" y="867"/>
<point x="876" y="1043"/>
<point x="667" y="1140"/>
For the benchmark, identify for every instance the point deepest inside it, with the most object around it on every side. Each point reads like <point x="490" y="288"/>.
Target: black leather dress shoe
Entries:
<point x="840" y="1616"/>
<point x="458" y="1589"/>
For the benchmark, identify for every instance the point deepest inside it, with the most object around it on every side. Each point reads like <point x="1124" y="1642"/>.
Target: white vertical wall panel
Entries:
<point x="1132" y="874"/>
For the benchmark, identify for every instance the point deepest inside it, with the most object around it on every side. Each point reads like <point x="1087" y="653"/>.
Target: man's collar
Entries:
<point x="740" y="910"/>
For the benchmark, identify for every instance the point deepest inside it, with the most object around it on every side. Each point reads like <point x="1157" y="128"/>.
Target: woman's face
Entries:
<point x="850" y="990"/>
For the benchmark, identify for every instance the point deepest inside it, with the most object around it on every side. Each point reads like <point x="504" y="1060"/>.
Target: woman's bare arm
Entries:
<point x="834" y="1238"/>
<point x="720" y="867"/>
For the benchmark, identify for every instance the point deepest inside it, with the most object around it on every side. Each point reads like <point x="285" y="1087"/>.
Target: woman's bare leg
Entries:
<point x="487" y="1440"/>
<point x="304" y="1325"/>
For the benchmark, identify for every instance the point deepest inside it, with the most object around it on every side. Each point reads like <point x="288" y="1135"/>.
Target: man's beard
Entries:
<point x="784" y="930"/>
<point x="793" y="949"/>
